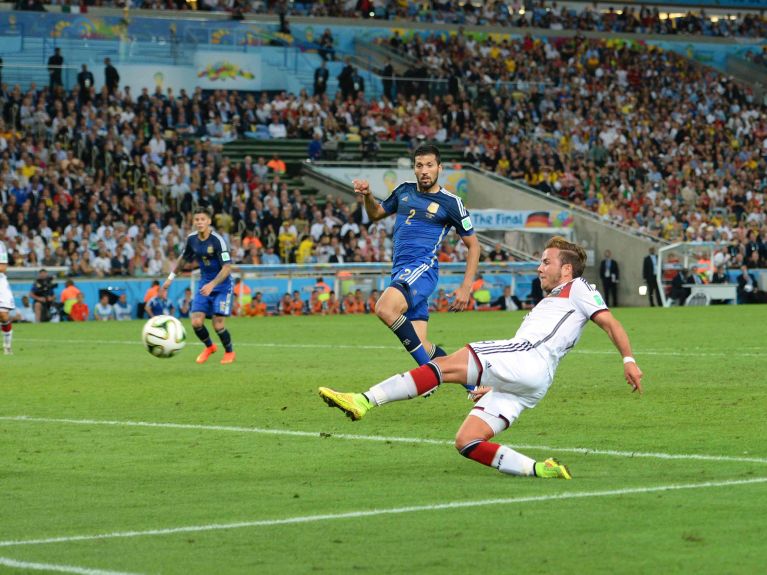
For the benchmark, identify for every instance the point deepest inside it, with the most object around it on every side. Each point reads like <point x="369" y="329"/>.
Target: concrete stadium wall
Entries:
<point x="628" y="250"/>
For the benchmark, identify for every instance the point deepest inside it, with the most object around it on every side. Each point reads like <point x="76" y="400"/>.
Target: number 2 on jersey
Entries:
<point x="410" y="216"/>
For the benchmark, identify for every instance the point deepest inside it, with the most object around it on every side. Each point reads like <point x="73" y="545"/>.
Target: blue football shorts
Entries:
<point x="416" y="284"/>
<point x="219" y="302"/>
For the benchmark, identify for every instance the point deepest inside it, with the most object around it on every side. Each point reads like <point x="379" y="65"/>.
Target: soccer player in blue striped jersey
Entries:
<point x="425" y="214"/>
<point x="214" y="299"/>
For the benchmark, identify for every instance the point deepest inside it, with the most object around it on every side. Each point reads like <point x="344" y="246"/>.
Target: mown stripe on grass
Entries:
<point x="379" y="512"/>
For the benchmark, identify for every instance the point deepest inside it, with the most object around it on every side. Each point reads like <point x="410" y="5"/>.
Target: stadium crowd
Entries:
<point x="640" y="136"/>
<point x="104" y="181"/>
<point x="520" y="14"/>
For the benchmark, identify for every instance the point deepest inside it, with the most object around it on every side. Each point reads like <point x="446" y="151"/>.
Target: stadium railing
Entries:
<point x="275" y="280"/>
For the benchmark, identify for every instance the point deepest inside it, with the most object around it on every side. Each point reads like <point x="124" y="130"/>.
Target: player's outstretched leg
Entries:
<point x="408" y="385"/>
<point x="7" y="328"/>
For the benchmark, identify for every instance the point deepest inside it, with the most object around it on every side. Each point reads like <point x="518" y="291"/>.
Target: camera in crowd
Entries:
<point x="46" y="287"/>
<point x="46" y="308"/>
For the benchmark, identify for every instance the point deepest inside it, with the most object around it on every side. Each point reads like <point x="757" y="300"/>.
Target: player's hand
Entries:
<point x="206" y="289"/>
<point x="361" y="187"/>
<point x="633" y="376"/>
<point x="476" y="394"/>
<point x="461" y="298"/>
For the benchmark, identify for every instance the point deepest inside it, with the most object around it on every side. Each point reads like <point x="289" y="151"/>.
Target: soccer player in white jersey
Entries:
<point x="514" y="374"/>
<point x="6" y="302"/>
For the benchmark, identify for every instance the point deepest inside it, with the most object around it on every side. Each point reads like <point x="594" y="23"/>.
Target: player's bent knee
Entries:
<point x="464" y="444"/>
<point x="386" y="313"/>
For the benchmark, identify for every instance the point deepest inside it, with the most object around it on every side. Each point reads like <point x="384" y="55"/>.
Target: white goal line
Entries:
<point x="378" y="438"/>
<point x="379" y="512"/>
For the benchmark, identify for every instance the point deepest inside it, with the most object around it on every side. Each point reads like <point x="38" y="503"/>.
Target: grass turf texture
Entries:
<point x="705" y="394"/>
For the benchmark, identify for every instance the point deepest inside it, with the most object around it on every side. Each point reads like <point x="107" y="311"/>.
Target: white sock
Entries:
<point x="397" y="387"/>
<point x="7" y="337"/>
<point x="512" y="462"/>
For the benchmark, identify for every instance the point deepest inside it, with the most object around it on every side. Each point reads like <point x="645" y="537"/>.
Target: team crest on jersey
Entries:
<point x="433" y="208"/>
<point x="210" y="249"/>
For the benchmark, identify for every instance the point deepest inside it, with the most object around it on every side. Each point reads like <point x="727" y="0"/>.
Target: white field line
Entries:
<point x="378" y="438"/>
<point x="378" y="512"/>
<point x="288" y="345"/>
<point x="27" y="566"/>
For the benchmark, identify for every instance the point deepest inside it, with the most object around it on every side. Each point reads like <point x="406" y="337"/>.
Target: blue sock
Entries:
<point x="437" y="351"/>
<point x="404" y="330"/>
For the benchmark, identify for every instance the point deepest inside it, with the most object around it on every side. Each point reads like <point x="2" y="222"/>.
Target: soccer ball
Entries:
<point x="164" y="336"/>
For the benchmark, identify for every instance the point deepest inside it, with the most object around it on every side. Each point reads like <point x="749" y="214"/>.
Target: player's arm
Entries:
<point x="620" y="339"/>
<point x="148" y="309"/>
<point x="372" y="207"/>
<point x="225" y="272"/>
<point x="3" y="268"/>
<point x="462" y="294"/>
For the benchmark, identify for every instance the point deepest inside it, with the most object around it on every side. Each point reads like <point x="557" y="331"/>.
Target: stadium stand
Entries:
<point x="104" y="183"/>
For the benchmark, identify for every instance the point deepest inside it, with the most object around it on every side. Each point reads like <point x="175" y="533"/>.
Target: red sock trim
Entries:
<point x="6" y="327"/>
<point x="425" y="379"/>
<point x="484" y="453"/>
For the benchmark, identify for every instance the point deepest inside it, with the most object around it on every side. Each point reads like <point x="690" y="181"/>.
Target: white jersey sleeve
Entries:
<point x="3" y="253"/>
<point x="586" y="299"/>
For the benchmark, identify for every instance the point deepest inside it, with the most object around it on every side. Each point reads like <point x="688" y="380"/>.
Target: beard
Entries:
<point x="424" y="185"/>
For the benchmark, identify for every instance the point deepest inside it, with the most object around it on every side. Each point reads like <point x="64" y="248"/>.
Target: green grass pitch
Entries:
<point x="249" y="471"/>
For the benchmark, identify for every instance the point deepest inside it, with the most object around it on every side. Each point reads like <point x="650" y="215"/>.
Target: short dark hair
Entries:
<point x="427" y="149"/>
<point x="204" y="210"/>
<point x="569" y="253"/>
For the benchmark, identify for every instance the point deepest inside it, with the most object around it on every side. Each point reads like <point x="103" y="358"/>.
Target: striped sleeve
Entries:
<point x="586" y="299"/>
<point x="460" y="217"/>
<point x="224" y="257"/>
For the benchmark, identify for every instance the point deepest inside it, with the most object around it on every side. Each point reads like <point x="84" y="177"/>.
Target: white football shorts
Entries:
<point x="6" y="295"/>
<point x="516" y="372"/>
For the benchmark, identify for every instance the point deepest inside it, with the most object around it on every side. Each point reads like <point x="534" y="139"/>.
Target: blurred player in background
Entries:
<point x="514" y="374"/>
<point x="7" y="303"/>
<point x="425" y="213"/>
<point x="214" y="298"/>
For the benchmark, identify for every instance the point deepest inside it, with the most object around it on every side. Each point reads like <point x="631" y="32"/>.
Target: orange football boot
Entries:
<point x="206" y="353"/>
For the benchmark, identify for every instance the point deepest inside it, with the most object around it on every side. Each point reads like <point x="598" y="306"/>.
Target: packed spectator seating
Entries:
<point x="639" y="136"/>
<point x="104" y="184"/>
<point x="515" y="13"/>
